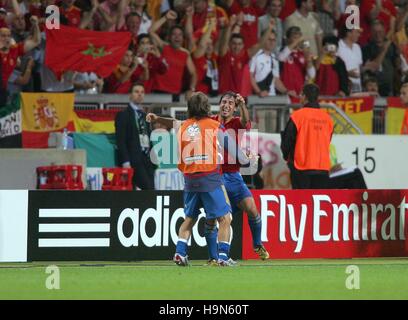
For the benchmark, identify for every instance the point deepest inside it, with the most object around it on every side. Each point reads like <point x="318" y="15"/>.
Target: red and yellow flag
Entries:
<point x="358" y="109"/>
<point x="397" y="116"/>
<point x="43" y="113"/>
<point x="95" y="121"/>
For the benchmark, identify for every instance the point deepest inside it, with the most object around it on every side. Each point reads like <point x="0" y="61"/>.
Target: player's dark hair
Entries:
<point x="198" y="106"/>
<point x="228" y="94"/>
<point x="311" y="92"/>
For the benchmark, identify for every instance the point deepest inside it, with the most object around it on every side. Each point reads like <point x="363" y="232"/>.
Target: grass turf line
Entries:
<point x="274" y="279"/>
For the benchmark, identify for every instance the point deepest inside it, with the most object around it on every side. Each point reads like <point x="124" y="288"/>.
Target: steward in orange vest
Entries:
<point x="305" y="143"/>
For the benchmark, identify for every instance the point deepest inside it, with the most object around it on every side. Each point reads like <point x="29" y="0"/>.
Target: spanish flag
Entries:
<point x="43" y="113"/>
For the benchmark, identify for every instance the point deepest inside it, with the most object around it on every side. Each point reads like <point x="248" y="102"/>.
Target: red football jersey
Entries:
<point x="9" y="60"/>
<point x="115" y="86"/>
<point x="201" y="69"/>
<point x="73" y="15"/>
<point x="294" y="71"/>
<point x="234" y="124"/>
<point x="387" y="12"/>
<point x="231" y="71"/>
<point x="249" y="28"/>
<point x="172" y="80"/>
<point x="156" y="66"/>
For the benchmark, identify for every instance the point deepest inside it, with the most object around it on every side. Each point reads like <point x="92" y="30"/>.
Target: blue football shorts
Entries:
<point x="215" y="203"/>
<point x="237" y="190"/>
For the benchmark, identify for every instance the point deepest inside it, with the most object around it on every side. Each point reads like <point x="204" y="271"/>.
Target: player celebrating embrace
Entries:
<point x="198" y="139"/>
<point x="238" y="193"/>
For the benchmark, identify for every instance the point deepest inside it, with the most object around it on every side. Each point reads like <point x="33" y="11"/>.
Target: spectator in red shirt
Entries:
<point x="203" y="11"/>
<point x="9" y="54"/>
<point x="234" y="60"/>
<point x="261" y="7"/>
<point x="297" y="61"/>
<point x="177" y="58"/>
<point x="289" y="6"/>
<point x="248" y="21"/>
<point x="71" y="12"/>
<point x="132" y="24"/>
<point x="332" y="76"/>
<point x="370" y="10"/>
<point x="3" y="15"/>
<point x="130" y="70"/>
<point x="205" y="58"/>
<point x="146" y="50"/>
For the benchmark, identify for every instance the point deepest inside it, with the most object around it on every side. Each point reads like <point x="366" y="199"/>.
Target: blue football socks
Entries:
<point x="181" y="247"/>
<point x="223" y="250"/>
<point x="255" y="224"/>
<point x="211" y="234"/>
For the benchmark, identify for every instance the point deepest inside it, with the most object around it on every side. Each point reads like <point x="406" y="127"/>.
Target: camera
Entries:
<point x="331" y="48"/>
<point x="306" y="44"/>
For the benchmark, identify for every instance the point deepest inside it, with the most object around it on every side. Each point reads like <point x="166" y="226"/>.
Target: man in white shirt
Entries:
<point x="264" y="69"/>
<point x="349" y="50"/>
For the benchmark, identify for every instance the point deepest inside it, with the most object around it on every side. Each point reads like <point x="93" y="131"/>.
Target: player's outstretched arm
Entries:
<point x="243" y="110"/>
<point x="168" y="122"/>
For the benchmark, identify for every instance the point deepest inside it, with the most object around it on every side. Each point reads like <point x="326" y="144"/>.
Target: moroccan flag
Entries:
<point x="10" y="124"/>
<point x="43" y="113"/>
<point x="95" y="121"/>
<point x="84" y="51"/>
<point x="397" y="116"/>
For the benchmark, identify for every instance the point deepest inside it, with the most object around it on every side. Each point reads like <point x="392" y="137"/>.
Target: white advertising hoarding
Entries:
<point x="13" y="225"/>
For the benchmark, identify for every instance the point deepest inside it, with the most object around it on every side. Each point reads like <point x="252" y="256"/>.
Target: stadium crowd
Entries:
<point x="252" y="47"/>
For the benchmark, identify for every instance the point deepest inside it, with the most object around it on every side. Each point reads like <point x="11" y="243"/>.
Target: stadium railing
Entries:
<point x="269" y="114"/>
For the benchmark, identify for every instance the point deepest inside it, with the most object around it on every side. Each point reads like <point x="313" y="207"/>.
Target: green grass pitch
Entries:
<point x="274" y="279"/>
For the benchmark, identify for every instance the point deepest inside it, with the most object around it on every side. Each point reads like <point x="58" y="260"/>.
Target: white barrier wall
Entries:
<point x="13" y="225"/>
<point x="18" y="166"/>
<point x="382" y="159"/>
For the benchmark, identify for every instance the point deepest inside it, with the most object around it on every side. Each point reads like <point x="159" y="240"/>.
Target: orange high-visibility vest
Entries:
<point x="197" y="140"/>
<point x="314" y="130"/>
